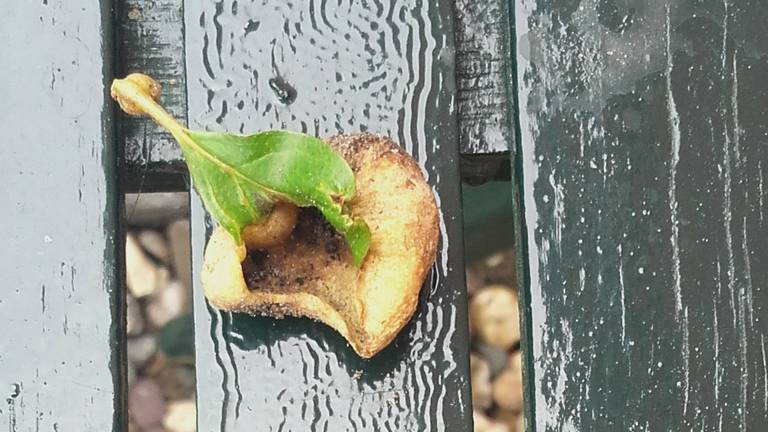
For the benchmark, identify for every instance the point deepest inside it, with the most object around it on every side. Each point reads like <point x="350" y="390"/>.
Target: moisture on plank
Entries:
<point x="643" y="152"/>
<point x="328" y="68"/>
<point x="484" y="77"/>
<point x="61" y="357"/>
<point x="150" y="39"/>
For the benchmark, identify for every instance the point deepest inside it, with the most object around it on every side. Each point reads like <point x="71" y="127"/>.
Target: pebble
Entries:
<point x="484" y="424"/>
<point x="141" y="274"/>
<point x="494" y="260"/>
<point x="168" y="303"/>
<point x="481" y="382"/>
<point x="134" y="321"/>
<point x="494" y="316"/>
<point x="511" y="419"/>
<point x="508" y="390"/>
<point x="177" y="381"/>
<point x="181" y="416"/>
<point x="154" y="243"/>
<point x="146" y="406"/>
<point x="141" y="349"/>
<point x="516" y="360"/>
<point x="508" y="387"/>
<point x="497" y="358"/>
<point x="181" y="258"/>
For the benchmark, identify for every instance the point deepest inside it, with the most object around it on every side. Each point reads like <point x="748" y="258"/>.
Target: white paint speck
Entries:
<point x="674" y="128"/>
<point x="623" y="298"/>
<point x="716" y="337"/>
<point x="686" y="359"/>
<point x="747" y="272"/>
<point x="735" y="111"/>
<point x="765" y="375"/>
<point x="760" y="189"/>
<point x="724" y="50"/>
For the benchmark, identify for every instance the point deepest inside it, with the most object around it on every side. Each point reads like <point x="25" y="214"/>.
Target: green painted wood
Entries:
<point x="641" y="176"/>
<point x="328" y="67"/>
<point x="485" y="101"/>
<point x="61" y="353"/>
<point x="150" y="39"/>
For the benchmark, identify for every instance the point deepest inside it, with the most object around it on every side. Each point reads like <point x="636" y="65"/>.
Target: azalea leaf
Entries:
<point x="240" y="177"/>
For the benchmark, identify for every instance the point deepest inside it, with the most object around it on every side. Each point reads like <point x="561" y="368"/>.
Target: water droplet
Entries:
<point x="285" y="92"/>
<point x="252" y="26"/>
<point x="47" y="239"/>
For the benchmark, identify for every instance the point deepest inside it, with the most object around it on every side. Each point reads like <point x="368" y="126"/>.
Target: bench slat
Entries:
<point x="322" y="68"/>
<point x="61" y="356"/>
<point x="485" y="67"/>
<point x="151" y="40"/>
<point x="643" y="152"/>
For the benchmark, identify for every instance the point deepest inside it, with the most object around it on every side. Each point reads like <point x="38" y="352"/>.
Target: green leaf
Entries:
<point x="239" y="177"/>
<point x="358" y="238"/>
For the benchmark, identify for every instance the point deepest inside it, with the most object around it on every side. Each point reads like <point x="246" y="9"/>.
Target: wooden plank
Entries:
<point x="150" y="39"/>
<point x="643" y="152"/>
<point x="61" y="354"/>
<point x="326" y="68"/>
<point x="484" y="78"/>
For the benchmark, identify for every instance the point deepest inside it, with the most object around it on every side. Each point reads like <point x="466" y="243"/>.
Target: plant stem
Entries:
<point x="137" y="95"/>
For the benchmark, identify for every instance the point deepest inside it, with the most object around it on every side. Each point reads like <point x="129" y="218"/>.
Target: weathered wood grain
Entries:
<point x="151" y="40"/>
<point x="485" y="67"/>
<point x="328" y="68"/>
<point x="643" y="151"/>
<point x="61" y="356"/>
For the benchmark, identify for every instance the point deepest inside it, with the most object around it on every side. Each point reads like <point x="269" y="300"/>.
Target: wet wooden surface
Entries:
<point x="150" y="39"/>
<point x="641" y="170"/>
<point x="485" y="68"/>
<point x="61" y="353"/>
<point x="325" y="68"/>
